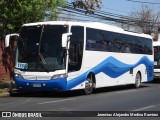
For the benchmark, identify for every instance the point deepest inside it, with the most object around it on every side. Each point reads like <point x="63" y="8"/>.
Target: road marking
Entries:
<point x="126" y="91"/>
<point x="144" y="108"/>
<point x="56" y="101"/>
<point x="65" y="109"/>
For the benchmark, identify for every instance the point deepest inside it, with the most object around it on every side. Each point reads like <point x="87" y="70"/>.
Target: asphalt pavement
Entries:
<point x="120" y="99"/>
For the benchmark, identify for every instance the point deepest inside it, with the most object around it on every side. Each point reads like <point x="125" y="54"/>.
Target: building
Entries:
<point x="6" y="62"/>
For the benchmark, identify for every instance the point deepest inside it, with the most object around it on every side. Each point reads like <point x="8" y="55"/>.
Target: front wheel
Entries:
<point x="12" y="91"/>
<point x="89" y="85"/>
<point x="138" y="80"/>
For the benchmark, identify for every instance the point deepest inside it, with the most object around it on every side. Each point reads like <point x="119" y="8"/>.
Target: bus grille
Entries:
<point x="29" y="77"/>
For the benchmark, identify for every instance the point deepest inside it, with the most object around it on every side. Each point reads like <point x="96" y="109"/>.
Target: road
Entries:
<point x="123" y="98"/>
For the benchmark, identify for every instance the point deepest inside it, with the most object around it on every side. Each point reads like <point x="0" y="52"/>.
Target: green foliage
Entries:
<point x="14" y="13"/>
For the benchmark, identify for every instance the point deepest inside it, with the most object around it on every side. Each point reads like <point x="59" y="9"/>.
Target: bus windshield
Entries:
<point x="157" y="56"/>
<point x="39" y="48"/>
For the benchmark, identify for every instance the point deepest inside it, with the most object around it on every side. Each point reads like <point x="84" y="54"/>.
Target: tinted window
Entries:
<point x="100" y="40"/>
<point x="93" y="39"/>
<point x="76" y="48"/>
<point x="40" y="48"/>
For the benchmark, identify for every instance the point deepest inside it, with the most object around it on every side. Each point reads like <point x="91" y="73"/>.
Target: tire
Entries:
<point x="89" y="85"/>
<point x="12" y="89"/>
<point x="137" y="80"/>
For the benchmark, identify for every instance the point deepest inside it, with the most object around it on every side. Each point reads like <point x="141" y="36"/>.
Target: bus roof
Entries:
<point x="96" y="25"/>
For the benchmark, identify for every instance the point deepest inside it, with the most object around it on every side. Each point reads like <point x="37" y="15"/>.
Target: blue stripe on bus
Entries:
<point x="113" y="68"/>
<point x="110" y="66"/>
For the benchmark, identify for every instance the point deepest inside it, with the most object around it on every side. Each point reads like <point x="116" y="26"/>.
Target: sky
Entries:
<point x="122" y="7"/>
<point x="125" y="7"/>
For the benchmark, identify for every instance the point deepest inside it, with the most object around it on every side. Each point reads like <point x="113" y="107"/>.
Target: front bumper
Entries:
<point x="59" y="84"/>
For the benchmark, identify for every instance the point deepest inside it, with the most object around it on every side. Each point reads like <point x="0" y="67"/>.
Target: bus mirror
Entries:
<point x="65" y="40"/>
<point x="7" y="38"/>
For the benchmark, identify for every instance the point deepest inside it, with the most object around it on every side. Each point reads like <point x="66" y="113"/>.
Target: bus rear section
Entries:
<point x="157" y="61"/>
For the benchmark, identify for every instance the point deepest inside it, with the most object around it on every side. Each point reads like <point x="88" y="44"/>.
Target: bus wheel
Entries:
<point x="137" y="80"/>
<point x="11" y="89"/>
<point x="89" y="85"/>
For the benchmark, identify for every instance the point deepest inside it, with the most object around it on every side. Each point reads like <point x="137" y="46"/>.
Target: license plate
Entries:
<point x="36" y="85"/>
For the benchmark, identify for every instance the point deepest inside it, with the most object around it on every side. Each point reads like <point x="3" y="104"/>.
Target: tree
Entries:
<point x="14" y="13"/>
<point x="89" y="5"/>
<point x="145" y="20"/>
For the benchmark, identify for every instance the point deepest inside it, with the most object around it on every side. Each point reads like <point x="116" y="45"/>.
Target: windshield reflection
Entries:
<point x="39" y="48"/>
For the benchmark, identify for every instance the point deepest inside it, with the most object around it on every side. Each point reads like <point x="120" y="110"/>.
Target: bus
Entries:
<point x="66" y="55"/>
<point x="156" y="45"/>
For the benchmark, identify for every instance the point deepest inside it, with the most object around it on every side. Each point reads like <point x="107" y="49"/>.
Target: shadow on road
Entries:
<point x="156" y="81"/>
<point x="75" y="93"/>
<point x="118" y="88"/>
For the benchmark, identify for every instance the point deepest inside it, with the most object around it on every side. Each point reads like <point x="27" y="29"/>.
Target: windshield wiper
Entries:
<point x="42" y="58"/>
<point x="42" y="65"/>
<point x="43" y="61"/>
<point x="39" y="49"/>
<point x="40" y="54"/>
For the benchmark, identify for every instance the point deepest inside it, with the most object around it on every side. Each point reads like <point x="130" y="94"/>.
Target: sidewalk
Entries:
<point x="4" y="92"/>
<point x="4" y="89"/>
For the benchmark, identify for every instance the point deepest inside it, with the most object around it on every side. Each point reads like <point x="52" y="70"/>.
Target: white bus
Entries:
<point x="156" y="45"/>
<point x="61" y="56"/>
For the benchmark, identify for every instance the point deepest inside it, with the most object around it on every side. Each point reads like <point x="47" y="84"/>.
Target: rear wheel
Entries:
<point x="89" y="85"/>
<point x="138" y="80"/>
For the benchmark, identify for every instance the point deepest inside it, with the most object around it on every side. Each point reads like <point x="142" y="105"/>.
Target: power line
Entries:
<point x="80" y="16"/>
<point x="114" y="10"/>
<point x="143" y="2"/>
<point x="106" y="16"/>
<point x="69" y="5"/>
<point x="98" y="11"/>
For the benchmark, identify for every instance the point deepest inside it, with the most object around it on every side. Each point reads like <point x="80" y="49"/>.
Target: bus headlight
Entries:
<point x="18" y="75"/>
<point x="59" y="76"/>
